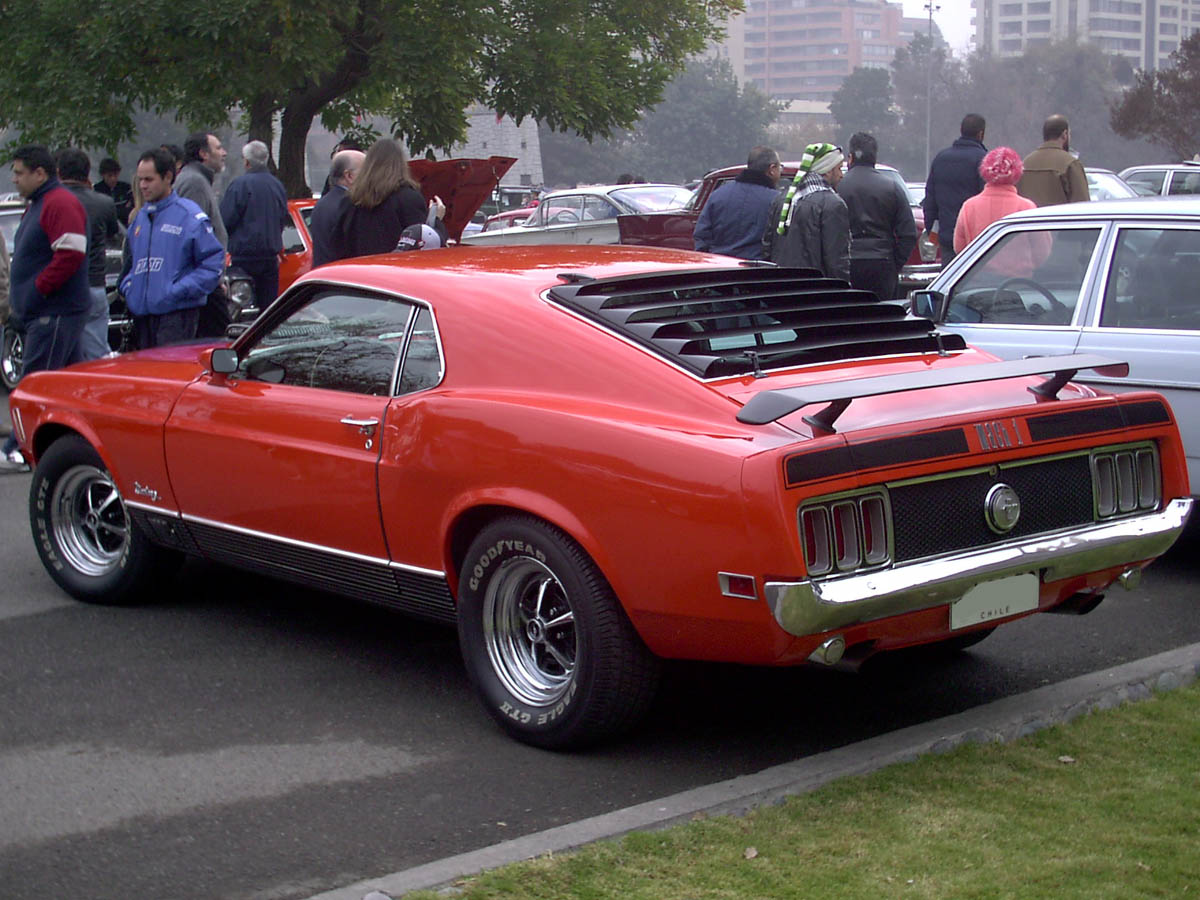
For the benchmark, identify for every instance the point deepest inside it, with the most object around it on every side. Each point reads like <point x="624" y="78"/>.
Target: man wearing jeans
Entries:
<point x="48" y="286"/>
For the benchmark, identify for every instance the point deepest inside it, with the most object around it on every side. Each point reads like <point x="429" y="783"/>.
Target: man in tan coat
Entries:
<point x="1052" y="174"/>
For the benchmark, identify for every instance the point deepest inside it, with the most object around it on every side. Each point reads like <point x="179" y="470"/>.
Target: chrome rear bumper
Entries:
<point x="807" y="607"/>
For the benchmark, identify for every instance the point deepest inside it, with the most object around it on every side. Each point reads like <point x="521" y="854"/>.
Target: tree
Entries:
<point x="704" y="120"/>
<point x="864" y="103"/>
<point x="923" y="67"/>
<point x="1164" y="105"/>
<point x="76" y="74"/>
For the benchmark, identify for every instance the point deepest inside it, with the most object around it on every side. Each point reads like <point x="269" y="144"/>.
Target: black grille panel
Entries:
<point x="945" y="515"/>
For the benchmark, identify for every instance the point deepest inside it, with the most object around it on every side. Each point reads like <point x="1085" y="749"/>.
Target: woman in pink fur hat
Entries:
<point x="1001" y="169"/>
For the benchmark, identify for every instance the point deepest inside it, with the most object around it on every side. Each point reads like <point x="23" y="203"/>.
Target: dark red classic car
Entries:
<point x="674" y="229"/>
<point x="590" y="459"/>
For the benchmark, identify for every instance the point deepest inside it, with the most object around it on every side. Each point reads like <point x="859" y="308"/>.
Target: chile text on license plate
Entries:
<point x="995" y="600"/>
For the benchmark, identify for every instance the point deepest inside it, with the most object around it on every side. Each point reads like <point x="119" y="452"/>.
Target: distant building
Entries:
<point x="1144" y="31"/>
<point x="489" y="136"/>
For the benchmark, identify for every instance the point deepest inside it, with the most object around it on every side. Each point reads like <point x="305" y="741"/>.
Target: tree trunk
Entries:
<point x="293" y="142"/>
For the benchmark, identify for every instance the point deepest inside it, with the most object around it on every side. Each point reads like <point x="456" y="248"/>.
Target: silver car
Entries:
<point x="1116" y="278"/>
<point x="586" y="215"/>
<point x="1165" y="179"/>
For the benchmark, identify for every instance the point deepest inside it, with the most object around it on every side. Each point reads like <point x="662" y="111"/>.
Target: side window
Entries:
<point x="1150" y="179"/>
<point x="292" y="242"/>
<point x="599" y="208"/>
<point x="1152" y="280"/>
<point x="1029" y="277"/>
<point x="1184" y="183"/>
<point x="423" y="359"/>
<point x="565" y="210"/>
<point x="338" y="341"/>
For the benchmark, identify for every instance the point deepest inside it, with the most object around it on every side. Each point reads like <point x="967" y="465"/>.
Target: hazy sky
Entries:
<point x="954" y="18"/>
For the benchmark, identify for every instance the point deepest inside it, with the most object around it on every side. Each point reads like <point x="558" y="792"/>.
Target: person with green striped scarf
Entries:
<point x="809" y="224"/>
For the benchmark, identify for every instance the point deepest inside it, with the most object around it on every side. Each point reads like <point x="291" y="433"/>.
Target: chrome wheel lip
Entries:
<point x="530" y="632"/>
<point x="89" y="521"/>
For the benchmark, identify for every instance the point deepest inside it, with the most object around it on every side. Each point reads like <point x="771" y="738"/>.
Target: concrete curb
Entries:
<point x="1001" y="720"/>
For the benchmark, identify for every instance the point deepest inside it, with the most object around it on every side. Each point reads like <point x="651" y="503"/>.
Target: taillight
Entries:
<point x="845" y="534"/>
<point x="1126" y="481"/>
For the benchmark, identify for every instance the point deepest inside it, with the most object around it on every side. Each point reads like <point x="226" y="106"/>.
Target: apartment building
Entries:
<point x="800" y="50"/>
<point x="1145" y="31"/>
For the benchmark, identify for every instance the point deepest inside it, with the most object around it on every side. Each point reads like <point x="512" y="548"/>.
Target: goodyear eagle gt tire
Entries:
<point x="83" y="533"/>
<point x="548" y="648"/>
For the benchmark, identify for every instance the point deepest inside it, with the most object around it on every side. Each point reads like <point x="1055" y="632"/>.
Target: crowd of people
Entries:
<point x="178" y="238"/>
<point x="844" y="218"/>
<point x="838" y="215"/>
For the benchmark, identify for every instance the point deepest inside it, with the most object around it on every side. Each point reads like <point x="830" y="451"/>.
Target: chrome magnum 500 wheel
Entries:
<point x="83" y="532"/>
<point x="547" y="646"/>
<point x="12" y="357"/>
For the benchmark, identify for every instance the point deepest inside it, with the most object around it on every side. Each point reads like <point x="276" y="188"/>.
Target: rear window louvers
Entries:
<point x="706" y="320"/>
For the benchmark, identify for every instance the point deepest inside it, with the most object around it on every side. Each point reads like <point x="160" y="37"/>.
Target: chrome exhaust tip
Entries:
<point x="830" y="652"/>
<point x="1130" y="578"/>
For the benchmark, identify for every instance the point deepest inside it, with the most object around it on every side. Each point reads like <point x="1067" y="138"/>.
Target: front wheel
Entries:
<point x="83" y="533"/>
<point x="12" y="357"/>
<point x="548" y="648"/>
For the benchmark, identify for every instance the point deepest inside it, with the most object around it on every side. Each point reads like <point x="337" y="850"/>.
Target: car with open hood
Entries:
<point x="674" y="228"/>
<point x="592" y="459"/>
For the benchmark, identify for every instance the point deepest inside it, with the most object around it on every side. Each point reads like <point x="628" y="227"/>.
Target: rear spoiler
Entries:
<point x="770" y="406"/>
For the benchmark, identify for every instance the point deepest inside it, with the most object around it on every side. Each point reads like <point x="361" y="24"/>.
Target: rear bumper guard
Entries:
<point x="806" y="607"/>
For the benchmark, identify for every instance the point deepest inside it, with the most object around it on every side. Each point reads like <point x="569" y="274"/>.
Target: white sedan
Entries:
<point x="586" y="215"/>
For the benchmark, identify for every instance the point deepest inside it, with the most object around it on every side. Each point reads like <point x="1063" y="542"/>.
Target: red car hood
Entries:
<point x="463" y="185"/>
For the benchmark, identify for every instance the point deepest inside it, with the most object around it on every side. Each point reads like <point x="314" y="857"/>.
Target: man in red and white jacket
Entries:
<point x="48" y="287"/>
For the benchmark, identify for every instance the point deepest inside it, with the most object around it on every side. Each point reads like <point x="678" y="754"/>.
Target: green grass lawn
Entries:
<point x="1107" y="806"/>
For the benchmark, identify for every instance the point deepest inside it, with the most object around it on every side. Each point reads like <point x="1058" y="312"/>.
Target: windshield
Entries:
<point x="653" y="197"/>
<point x="1107" y="186"/>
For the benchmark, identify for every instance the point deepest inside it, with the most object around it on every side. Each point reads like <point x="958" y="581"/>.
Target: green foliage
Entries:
<point x="703" y="121"/>
<point x="864" y="103"/>
<point x="76" y="74"/>
<point x="1164" y="105"/>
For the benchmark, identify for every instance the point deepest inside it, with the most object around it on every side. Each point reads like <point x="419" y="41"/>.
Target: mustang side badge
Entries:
<point x="999" y="435"/>
<point x="143" y="491"/>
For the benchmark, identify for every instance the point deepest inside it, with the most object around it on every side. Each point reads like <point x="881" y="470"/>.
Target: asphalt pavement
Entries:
<point x="1001" y="720"/>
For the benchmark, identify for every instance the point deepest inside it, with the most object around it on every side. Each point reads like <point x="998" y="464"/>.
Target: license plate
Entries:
<point x="995" y="600"/>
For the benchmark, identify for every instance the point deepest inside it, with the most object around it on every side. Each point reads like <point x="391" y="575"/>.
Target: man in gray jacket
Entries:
<point x="882" y="229"/>
<point x="809" y="225"/>
<point x="205" y="158"/>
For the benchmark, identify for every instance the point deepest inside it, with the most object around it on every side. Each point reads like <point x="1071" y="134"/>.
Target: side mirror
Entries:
<point x="224" y="361"/>
<point x="929" y="304"/>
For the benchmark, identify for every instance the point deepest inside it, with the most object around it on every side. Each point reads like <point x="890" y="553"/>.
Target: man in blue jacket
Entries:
<point x="953" y="179"/>
<point x="735" y="216"/>
<point x="175" y="259"/>
<point x="255" y="212"/>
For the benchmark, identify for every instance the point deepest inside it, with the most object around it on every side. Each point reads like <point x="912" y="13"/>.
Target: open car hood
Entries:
<point x="463" y="185"/>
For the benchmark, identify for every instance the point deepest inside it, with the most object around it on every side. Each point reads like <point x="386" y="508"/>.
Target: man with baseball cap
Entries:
<point x="809" y="224"/>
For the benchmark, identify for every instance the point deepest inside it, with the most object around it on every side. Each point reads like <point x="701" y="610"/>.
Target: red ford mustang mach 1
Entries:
<point x="593" y="458"/>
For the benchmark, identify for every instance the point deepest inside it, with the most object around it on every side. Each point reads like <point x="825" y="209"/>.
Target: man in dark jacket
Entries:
<point x="882" y="229"/>
<point x="48" y="286"/>
<point x="325" y="215"/>
<point x="74" y="168"/>
<point x="953" y="177"/>
<point x="809" y="225"/>
<point x="111" y="185"/>
<point x="255" y="213"/>
<point x="735" y="216"/>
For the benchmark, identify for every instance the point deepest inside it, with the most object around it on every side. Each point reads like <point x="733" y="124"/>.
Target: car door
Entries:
<point x="1026" y="290"/>
<point x="286" y="448"/>
<point x="1149" y="316"/>
<point x="560" y="218"/>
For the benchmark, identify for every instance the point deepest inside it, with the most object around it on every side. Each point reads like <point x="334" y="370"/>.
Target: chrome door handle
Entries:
<point x="364" y="426"/>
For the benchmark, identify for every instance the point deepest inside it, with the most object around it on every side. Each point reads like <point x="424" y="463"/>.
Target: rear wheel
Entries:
<point x="550" y="652"/>
<point x="84" y="534"/>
